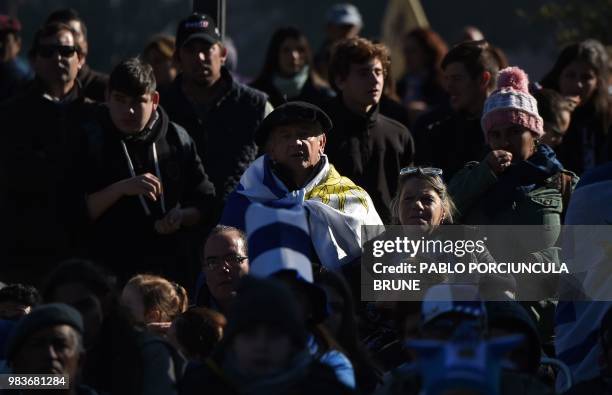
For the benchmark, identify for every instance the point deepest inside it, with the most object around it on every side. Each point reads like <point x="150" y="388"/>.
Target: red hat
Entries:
<point x="9" y="24"/>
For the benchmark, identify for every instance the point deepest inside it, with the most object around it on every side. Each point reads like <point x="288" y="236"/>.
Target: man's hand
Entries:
<point x="171" y="222"/>
<point x="146" y="184"/>
<point x="498" y="161"/>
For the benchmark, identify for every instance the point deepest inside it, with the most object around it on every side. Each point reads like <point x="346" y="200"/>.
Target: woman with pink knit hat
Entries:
<point x="520" y="182"/>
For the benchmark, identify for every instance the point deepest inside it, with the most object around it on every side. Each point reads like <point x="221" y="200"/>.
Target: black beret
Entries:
<point x="42" y="317"/>
<point x="292" y="112"/>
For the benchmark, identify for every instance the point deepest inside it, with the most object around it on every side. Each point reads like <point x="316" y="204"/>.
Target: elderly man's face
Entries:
<point x="51" y="350"/>
<point x="296" y="147"/>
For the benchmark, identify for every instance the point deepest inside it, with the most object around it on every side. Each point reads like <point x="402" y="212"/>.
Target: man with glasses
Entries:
<point x="224" y="263"/>
<point x="37" y="197"/>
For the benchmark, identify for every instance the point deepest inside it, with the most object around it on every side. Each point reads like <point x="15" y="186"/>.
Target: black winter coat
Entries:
<point x="370" y="150"/>
<point x="224" y="135"/>
<point x="39" y="200"/>
<point x="124" y="236"/>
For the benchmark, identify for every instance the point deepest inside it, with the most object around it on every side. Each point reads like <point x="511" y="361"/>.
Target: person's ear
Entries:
<point x="81" y="59"/>
<point x="223" y="53"/>
<point x="340" y="82"/>
<point x="322" y="142"/>
<point x="484" y="81"/>
<point x="155" y="99"/>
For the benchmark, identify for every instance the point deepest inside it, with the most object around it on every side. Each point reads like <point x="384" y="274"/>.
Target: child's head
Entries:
<point x="152" y="298"/>
<point x="198" y="331"/>
<point x="556" y="111"/>
<point x="131" y="95"/>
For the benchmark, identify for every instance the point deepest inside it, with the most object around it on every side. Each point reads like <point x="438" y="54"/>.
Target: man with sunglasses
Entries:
<point x="93" y="82"/>
<point x="38" y="198"/>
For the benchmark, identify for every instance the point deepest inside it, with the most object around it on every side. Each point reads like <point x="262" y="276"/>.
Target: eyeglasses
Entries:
<point x="216" y="262"/>
<point x="47" y="51"/>
<point x="428" y="171"/>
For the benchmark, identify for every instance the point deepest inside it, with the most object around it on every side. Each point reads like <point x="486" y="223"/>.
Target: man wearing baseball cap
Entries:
<point x="219" y="113"/>
<point x="14" y="72"/>
<point x="295" y="171"/>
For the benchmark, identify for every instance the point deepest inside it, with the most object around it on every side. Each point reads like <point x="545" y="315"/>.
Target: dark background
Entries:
<point x="120" y="28"/>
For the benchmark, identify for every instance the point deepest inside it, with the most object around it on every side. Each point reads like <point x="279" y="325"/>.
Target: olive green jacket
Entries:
<point x="542" y="206"/>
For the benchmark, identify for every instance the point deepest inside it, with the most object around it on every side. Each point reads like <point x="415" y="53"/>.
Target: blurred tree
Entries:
<point x="575" y="20"/>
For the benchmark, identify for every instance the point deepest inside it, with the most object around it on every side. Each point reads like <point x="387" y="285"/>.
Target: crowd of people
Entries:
<point x="173" y="228"/>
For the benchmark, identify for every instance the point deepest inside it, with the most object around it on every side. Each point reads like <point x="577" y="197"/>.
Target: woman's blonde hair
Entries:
<point x="169" y="298"/>
<point x="436" y="183"/>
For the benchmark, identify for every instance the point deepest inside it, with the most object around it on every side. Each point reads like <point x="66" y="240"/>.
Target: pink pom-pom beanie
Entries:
<point x="511" y="104"/>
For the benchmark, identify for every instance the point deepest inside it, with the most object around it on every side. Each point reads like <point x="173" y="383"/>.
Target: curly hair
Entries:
<point x="356" y="51"/>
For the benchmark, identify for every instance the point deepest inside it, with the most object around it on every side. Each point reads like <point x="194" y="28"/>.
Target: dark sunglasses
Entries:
<point x="47" y="51"/>
<point x="428" y="171"/>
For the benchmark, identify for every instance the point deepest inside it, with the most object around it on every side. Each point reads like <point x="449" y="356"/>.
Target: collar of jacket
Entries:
<point x="38" y="88"/>
<point x="150" y="134"/>
<point x="358" y="121"/>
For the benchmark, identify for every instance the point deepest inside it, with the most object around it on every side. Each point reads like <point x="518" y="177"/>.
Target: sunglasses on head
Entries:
<point x="428" y="171"/>
<point x="47" y="51"/>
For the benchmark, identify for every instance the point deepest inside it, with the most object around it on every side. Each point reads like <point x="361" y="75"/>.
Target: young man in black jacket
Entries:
<point x="448" y="138"/>
<point x="364" y="145"/>
<point x="143" y="178"/>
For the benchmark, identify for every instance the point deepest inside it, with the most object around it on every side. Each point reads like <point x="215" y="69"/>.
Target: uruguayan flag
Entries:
<point x="336" y="208"/>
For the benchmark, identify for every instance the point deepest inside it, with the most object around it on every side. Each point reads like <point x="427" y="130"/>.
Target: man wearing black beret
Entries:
<point x="295" y="171"/>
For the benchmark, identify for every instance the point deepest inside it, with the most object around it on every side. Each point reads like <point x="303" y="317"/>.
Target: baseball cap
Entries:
<point x="452" y="298"/>
<point x="344" y="14"/>
<point x="197" y="26"/>
<point x="9" y="24"/>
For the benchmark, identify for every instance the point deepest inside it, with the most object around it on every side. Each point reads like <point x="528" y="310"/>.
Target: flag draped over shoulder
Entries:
<point x="336" y="208"/>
